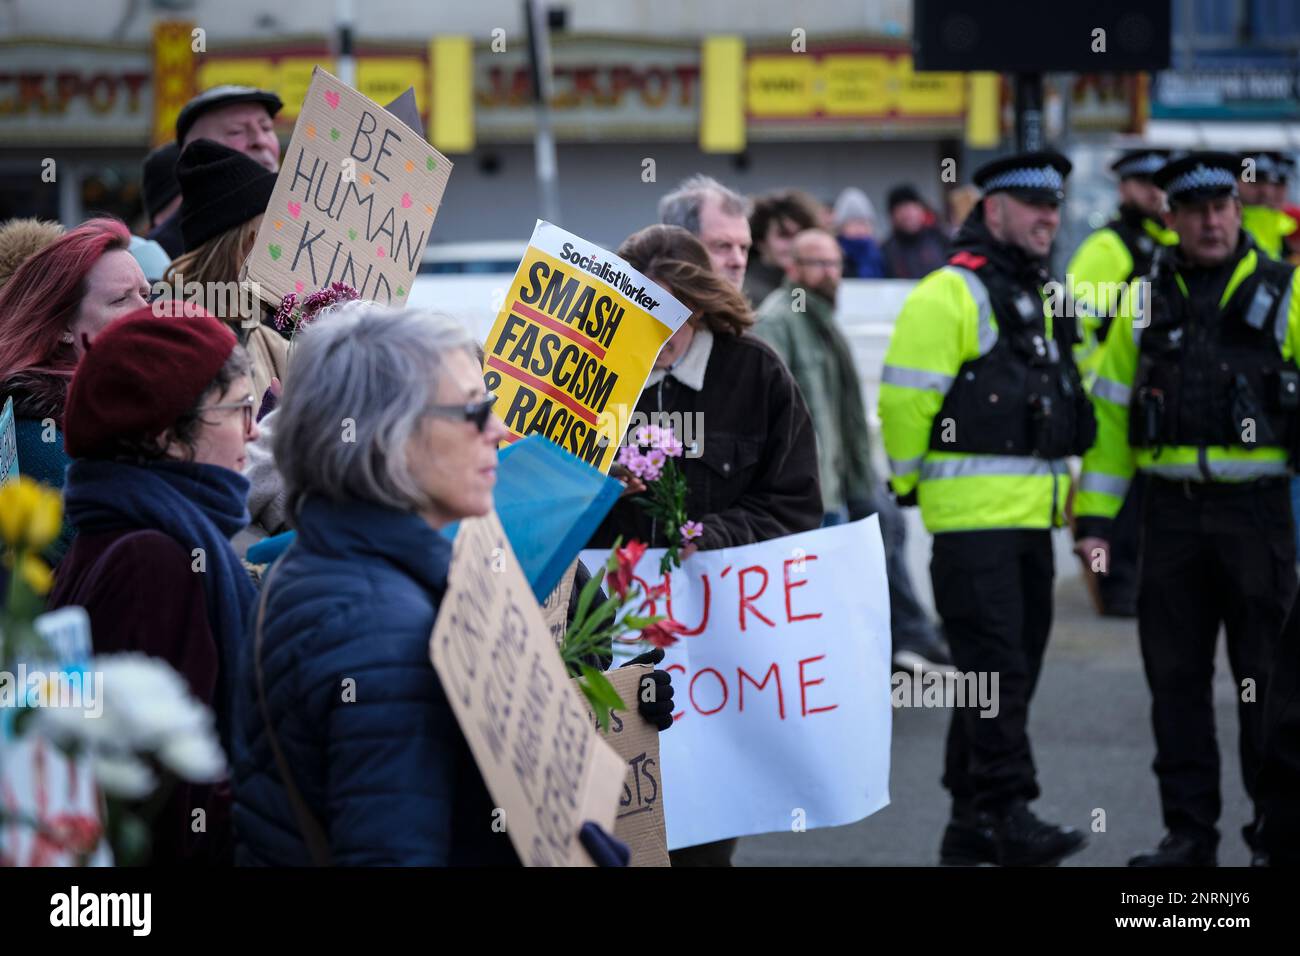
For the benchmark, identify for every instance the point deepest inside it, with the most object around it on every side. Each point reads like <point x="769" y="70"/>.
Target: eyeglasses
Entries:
<point x="246" y="405"/>
<point x="477" y="412"/>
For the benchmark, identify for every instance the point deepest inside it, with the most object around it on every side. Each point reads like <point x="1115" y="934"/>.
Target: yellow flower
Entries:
<point x="37" y="574"/>
<point x="30" y="514"/>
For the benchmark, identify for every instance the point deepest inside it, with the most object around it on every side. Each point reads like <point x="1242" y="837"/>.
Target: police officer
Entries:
<point x="1262" y="189"/>
<point x="1198" y="390"/>
<point x="980" y="403"/>
<point x="1104" y="263"/>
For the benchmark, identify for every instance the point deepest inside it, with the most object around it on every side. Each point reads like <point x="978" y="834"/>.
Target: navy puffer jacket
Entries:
<point x="369" y="736"/>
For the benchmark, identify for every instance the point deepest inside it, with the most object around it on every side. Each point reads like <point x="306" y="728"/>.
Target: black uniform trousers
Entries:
<point x="1212" y="554"/>
<point x="1120" y="584"/>
<point x="993" y="590"/>
<point x="1277" y="795"/>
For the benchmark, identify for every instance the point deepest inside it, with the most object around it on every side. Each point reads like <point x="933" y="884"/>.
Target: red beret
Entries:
<point x="142" y="373"/>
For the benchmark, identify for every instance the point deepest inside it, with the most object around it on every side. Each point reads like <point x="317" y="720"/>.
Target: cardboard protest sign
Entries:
<point x="783" y="679"/>
<point x="555" y="609"/>
<point x="8" y="444"/>
<point x="641" y="807"/>
<point x="574" y="343"/>
<point x="355" y="200"/>
<point x="526" y="724"/>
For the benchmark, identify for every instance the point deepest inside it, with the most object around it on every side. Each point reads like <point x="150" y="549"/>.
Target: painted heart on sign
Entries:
<point x="428" y="210"/>
<point x="352" y="233"/>
<point x="334" y="134"/>
<point x="294" y="209"/>
<point x="406" y="200"/>
<point x="429" y="163"/>
<point x="279" y="224"/>
<point x="332" y="99"/>
<point x="297" y="287"/>
<point x="379" y="251"/>
<point x="311" y="132"/>
<point x="401" y="291"/>
<point x="410" y="166"/>
<point x="274" y="250"/>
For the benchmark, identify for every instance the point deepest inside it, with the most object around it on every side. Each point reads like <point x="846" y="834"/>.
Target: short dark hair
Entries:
<point x="146" y="449"/>
<point x="783" y="204"/>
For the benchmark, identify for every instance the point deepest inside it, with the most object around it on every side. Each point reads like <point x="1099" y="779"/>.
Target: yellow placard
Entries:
<point x="574" y="343"/>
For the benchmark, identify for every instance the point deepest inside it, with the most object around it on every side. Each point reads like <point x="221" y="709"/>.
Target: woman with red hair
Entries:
<point x="56" y="302"/>
<point x="72" y="288"/>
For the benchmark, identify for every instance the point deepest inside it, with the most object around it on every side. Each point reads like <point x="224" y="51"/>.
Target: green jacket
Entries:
<point x="946" y="322"/>
<point x="1110" y="463"/>
<point x="1098" y="270"/>
<point x="1268" y="227"/>
<point x="822" y="363"/>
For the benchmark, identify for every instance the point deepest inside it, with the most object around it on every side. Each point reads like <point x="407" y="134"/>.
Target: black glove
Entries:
<point x="659" y="709"/>
<point x="603" y="849"/>
<point x="906" y="501"/>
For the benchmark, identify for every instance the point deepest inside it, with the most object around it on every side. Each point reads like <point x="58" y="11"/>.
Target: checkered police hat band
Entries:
<point x="1044" y="177"/>
<point x="1202" y="177"/>
<point x="1141" y="165"/>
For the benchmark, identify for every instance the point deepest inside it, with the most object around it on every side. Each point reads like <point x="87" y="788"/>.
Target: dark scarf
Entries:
<point x="975" y="238"/>
<point x="200" y="506"/>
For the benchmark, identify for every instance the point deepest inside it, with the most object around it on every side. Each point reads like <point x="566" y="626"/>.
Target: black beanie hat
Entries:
<point x="159" y="181"/>
<point x="900" y="194"/>
<point x="221" y="188"/>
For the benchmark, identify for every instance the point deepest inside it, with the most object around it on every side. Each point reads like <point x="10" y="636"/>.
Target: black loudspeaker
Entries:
<point x="1041" y="36"/>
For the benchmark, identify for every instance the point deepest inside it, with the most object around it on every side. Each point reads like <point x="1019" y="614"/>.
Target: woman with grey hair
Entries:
<point x="347" y="750"/>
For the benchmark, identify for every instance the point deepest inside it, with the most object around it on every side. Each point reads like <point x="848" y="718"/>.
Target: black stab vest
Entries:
<point x="1024" y="396"/>
<point x="1207" y="376"/>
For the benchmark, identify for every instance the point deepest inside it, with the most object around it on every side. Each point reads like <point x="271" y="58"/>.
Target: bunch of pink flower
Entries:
<point x="650" y="449"/>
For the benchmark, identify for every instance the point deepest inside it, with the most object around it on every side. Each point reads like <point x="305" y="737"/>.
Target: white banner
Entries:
<point x="782" y="684"/>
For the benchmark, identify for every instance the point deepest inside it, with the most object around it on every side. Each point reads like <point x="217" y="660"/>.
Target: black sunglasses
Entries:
<point x="477" y="412"/>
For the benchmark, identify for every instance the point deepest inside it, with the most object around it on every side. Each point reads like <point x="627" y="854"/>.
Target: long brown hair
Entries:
<point x="217" y="260"/>
<point x="678" y="261"/>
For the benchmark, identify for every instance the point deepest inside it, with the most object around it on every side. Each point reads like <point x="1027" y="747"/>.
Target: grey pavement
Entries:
<point x="1091" y="734"/>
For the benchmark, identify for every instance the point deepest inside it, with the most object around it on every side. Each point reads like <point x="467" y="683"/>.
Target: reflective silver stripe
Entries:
<point x="988" y="465"/>
<point x="1111" y="390"/>
<point x="1219" y="470"/>
<point x="915" y="378"/>
<point x="905" y="466"/>
<point x="1104" y="484"/>
<point x="988" y="335"/>
<point x="1282" y="321"/>
<point x="1260" y="303"/>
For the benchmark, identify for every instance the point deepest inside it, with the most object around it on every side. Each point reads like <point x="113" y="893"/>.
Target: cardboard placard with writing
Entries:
<point x="355" y="200"/>
<point x="574" y="343"/>
<point x="525" y="723"/>
<point x="640" y="821"/>
<point x="555" y="609"/>
<point x="782" y="683"/>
